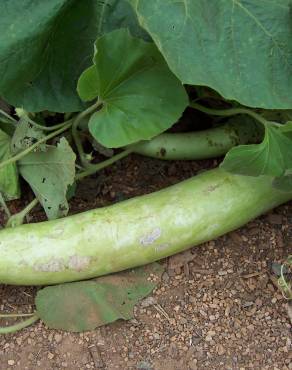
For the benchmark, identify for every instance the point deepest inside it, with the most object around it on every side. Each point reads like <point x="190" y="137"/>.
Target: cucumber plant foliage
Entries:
<point x="113" y="73"/>
<point x="131" y="58"/>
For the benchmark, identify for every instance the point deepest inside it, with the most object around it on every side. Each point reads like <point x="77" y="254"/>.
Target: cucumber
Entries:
<point x="134" y="232"/>
<point x="204" y="144"/>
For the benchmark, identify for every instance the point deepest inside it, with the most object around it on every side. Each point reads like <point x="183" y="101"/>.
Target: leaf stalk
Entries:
<point x="229" y="112"/>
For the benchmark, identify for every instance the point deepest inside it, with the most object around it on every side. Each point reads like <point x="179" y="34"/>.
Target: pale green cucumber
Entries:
<point x="210" y="143"/>
<point x="134" y="232"/>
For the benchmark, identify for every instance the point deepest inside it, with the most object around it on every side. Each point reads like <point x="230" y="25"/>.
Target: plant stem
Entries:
<point x="19" y="326"/>
<point x="17" y="219"/>
<point x="4" y="315"/>
<point x="46" y="128"/>
<point x="30" y="206"/>
<point x="75" y="133"/>
<point x="7" y="116"/>
<point x="99" y="166"/>
<point x="229" y="112"/>
<point x="4" y="206"/>
<point x="35" y="145"/>
<point x="286" y="290"/>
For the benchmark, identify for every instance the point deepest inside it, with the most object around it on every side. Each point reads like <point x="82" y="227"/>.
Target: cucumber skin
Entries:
<point x="134" y="232"/>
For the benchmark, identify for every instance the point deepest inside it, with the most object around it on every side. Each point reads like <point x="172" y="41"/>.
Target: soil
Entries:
<point x="216" y="307"/>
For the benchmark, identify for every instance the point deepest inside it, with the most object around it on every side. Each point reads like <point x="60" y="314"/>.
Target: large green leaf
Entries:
<point x="49" y="173"/>
<point x="86" y="305"/>
<point x="273" y="156"/>
<point x="45" y="45"/>
<point x="141" y="96"/>
<point x="9" y="185"/>
<point x="240" y="48"/>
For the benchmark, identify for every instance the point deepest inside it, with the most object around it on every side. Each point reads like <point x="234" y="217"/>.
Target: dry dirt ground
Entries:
<point x="217" y="306"/>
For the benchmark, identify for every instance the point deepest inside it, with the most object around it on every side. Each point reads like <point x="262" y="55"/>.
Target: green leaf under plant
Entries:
<point x="26" y="135"/>
<point x="273" y="156"/>
<point x="240" y="48"/>
<point x="49" y="173"/>
<point x="86" y="305"/>
<point x="140" y="95"/>
<point x="9" y="182"/>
